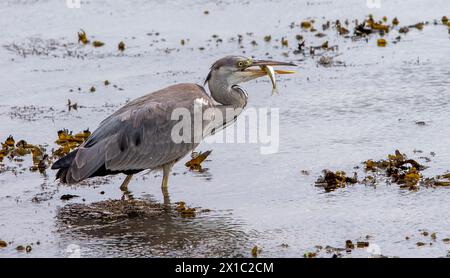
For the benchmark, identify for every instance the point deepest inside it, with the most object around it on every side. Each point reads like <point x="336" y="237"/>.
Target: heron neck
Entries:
<point x="228" y="95"/>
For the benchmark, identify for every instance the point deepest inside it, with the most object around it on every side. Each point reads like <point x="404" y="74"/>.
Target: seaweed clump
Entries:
<point x="332" y="180"/>
<point x="337" y="252"/>
<point x="398" y="169"/>
<point x="438" y="181"/>
<point x="197" y="158"/>
<point x="184" y="210"/>
<point x="67" y="141"/>
<point x="18" y="151"/>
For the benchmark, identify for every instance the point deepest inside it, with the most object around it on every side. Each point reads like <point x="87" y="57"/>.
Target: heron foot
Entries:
<point x="127" y="195"/>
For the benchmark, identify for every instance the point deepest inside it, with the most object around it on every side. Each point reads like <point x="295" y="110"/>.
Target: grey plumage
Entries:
<point x="138" y="136"/>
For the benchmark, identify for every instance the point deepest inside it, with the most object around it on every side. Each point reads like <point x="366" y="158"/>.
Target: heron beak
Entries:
<point x="271" y="63"/>
<point x="256" y="69"/>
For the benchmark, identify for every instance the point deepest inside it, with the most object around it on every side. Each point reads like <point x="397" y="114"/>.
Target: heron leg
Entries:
<point x="165" y="181"/>
<point x="126" y="181"/>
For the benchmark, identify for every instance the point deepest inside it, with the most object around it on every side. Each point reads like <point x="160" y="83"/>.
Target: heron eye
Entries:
<point x="240" y="64"/>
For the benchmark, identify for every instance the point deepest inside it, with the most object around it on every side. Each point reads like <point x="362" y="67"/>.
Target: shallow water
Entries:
<point x="330" y="118"/>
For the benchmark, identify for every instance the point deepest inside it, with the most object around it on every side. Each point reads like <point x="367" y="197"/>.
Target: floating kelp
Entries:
<point x="361" y="30"/>
<point x="348" y="247"/>
<point x="9" y="142"/>
<point x="403" y="30"/>
<point x="197" y="158"/>
<point x="82" y="37"/>
<point x="185" y="211"/>
<point x="255" y="251"/>
<point x="320" y="35"/>
<point x="333" y="180"/>
<point x="306" y="24"/>
<point x="379" y="26"/>
<point x="438" y="181"/>
<point x="121" y="46"/>
<point x="13" y="151"/>
<point x="72" y="106"/>
<point x="418" y="26"/>
<point x="362" y="244"/>
<point x="381" y="42"/>
<point x="342" y="31"/>
<point x="309" y="255"/>
<point x="395" y="21"/>
<point x="67" y="141"/>
<point x="444" y="20"/>
<point x="20" y="248"/>
<point x="3" y="244"/>
<point x="98" y="43"/>
<point x="396" y="169"/>
<point x="393" y="161"/>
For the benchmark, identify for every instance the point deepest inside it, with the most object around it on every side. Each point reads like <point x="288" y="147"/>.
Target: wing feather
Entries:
<point x="138" y="135"/>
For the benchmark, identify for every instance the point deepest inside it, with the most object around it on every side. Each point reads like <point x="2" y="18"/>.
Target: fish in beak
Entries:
<point x="266" y="68"/>
<point x="271" y="73"/>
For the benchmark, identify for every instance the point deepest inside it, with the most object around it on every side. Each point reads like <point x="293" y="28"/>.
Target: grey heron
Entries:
<point x="138" y="136"/>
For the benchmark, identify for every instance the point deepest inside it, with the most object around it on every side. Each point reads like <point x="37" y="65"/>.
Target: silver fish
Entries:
<point x="271" y="73"/>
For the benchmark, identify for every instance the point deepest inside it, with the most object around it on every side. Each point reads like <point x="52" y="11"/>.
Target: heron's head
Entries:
<point x="232" y="70"/>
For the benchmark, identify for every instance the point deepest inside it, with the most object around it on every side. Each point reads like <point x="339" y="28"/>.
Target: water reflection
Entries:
<point x="117" y="229"/>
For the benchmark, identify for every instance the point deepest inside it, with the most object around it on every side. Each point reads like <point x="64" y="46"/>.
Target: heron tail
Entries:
<point x="63" y="165"/>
